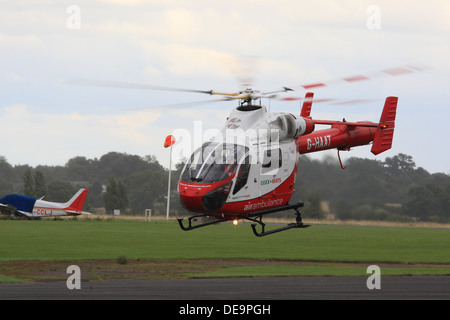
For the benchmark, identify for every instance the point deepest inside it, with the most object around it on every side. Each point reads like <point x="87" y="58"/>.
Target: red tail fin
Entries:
<point x="385" y="129"/>
<point x="307" y="104"/>
<point x="77" y="201"/>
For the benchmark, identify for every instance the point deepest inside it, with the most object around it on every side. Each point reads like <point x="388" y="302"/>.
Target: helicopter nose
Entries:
<point x="192" y="198"/>
<point x="207" y="198"/>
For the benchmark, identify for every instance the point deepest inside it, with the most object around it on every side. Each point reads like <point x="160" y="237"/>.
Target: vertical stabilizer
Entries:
<point x="77" y="201"/>
<point x="385" y="129"/>
<point x="307" y="104"/>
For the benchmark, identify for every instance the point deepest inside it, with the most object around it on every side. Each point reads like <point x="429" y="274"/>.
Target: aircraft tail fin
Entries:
<point x="385" y="129"/>
<point x="77" y="201"/>
<point x="307" y="105"/>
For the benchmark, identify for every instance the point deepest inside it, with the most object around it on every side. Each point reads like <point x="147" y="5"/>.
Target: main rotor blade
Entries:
<point x="331" y="100"/>
<point x="398" y="71"/>
<point x="129" y="85"/>
<point x="236" y="97"/>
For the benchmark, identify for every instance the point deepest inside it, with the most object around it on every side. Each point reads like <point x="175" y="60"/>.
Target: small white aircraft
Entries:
<point x="17" y="205"/>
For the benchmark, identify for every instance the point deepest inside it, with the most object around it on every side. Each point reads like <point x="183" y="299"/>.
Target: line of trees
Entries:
<point x="116" y="181"/>
<point x="393" y="189"/>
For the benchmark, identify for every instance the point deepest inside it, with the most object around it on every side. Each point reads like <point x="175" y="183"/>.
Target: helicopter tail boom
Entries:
<point x="344" y="135"/>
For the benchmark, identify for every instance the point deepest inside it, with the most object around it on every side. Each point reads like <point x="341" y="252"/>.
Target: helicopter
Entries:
<point x="248" y="170"/>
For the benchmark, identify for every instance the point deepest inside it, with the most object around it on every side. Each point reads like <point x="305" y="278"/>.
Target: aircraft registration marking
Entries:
<point x="42" y="212"/>
<point x="319" y="142"/>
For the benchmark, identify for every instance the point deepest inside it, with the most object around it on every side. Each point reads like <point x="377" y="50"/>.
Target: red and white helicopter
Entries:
<point x="248" y="170"/>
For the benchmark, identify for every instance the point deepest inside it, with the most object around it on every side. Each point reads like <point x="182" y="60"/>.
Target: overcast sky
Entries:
<point x="212" y="45"/>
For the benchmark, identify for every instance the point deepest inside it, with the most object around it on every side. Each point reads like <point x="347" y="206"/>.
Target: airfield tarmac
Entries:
<point x="148" y="280"/>
<point x="264" y="288"/>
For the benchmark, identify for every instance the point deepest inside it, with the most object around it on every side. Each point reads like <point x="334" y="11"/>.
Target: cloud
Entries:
<point x="19" y="40"/>
<point x="128" y="3"/>
<point x="179" y="59"/>
<point x="195" y="44"/>
<point x="41" y="138"/>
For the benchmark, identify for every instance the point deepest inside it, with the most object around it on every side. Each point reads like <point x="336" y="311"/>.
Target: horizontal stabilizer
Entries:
<point x="76" y="213"/>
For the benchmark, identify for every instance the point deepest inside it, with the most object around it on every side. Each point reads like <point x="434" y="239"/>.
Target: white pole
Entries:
<point x="168" y="188"/>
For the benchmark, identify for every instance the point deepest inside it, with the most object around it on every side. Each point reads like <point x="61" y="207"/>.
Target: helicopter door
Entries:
<point x="242" y="175"/>
<point x="246" y="181"/>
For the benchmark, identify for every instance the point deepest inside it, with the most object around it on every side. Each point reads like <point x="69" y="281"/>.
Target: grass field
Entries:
<point x="322" y="250"/>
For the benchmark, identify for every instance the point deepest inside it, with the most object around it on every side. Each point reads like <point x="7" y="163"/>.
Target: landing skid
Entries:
<point x="192" y="227"/>
<point x="297" y="224"/>
<point x="254" y="217"/>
